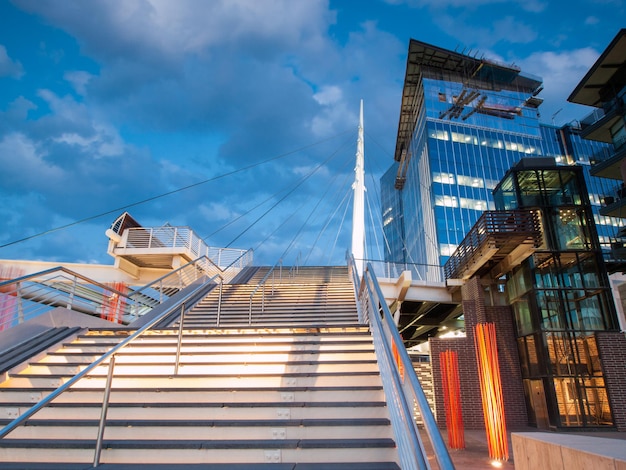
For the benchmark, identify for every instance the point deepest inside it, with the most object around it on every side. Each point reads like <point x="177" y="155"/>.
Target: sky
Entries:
<point x="238" y="118"/>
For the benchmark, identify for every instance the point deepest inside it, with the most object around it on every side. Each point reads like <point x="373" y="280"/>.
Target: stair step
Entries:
<point x="238" y="357"/>
<point x="207" y="368"/>
<point x="207" y="466"/>
<point x="207" y="429"/>
<point x="228" y="395"/>
<point x="298" y="389"/>
<point x="191" y="381"/>
<point x="205" y="411"/>
<point x="199" y="451"/>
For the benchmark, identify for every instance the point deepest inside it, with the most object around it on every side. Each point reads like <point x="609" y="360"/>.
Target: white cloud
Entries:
<point x="528" y="5"/>
<point x="328" y="95"/>
<point x="216" y="211"/>
<point x="145" y="28"/>
<point x="9" y="67"/>
<point x="23" y="164"/>
<point x="561" y="72"/>
<point x="502" y="31"/>
<point x="79" y="80"/>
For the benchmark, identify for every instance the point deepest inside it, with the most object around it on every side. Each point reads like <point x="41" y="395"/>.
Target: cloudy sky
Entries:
<point x="237" y="118"/>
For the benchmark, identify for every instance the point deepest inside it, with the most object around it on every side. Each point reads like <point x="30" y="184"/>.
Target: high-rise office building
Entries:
<point x="464" y="121"/>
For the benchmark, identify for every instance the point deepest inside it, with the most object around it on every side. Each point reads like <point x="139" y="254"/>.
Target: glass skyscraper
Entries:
<point x="464" y="122"/>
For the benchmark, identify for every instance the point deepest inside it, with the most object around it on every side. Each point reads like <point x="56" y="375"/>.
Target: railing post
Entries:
<point x="20" y="307"/>
<point x="263" y="299"/>
<point x="103" y="412"/>
<point x="219" y="302"/>
<point x="250" y="312"/>
<point x="72" y="292"/>
<point x="180" y="337"/>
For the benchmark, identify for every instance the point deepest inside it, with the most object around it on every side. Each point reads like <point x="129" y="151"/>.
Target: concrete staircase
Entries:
<point x="300" y="390"/>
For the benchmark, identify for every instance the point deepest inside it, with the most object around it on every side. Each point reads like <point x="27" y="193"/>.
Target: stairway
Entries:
<point x="313" y="296"/>
<point x="297" y="390"/>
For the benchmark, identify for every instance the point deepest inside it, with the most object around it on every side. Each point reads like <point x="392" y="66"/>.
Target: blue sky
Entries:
<point x="104" y="104"/>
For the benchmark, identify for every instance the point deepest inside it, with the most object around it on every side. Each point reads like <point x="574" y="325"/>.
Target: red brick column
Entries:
<point x="612" y="351"/>
<point x="475" y="311"/>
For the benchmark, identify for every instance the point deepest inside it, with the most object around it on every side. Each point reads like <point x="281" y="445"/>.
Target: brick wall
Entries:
<point x="612" y="350"/>
<point x="471" y="403"/>
<point x="475" y="311"/>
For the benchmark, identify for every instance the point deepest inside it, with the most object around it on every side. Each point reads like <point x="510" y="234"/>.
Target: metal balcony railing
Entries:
<point x="180" y="239"/>
<point x="497" y="229"/>
<point x="28" y="296"/>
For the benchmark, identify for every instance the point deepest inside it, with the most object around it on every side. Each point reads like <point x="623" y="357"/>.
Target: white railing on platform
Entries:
<point x="183" y="239"/>
<point x="419" y="272"/>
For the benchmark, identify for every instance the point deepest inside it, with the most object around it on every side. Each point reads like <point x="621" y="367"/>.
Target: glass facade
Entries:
<point x="464" y="123"/>
<point x="560" y="296"/>
<point x="467" y="134"/>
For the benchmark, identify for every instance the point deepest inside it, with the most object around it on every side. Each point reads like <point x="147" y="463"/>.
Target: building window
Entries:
<point x="446" y="201"/>
<point x="444" y="178"/>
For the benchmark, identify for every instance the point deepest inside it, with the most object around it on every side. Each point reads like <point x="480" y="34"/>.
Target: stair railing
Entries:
<point x="48" y="398"/>
<point x="401" y="385"/>
<point x="295" y="269"/>
<point x="180" y="338"/>
<point x="261" y="285"/>
<point x="109" y="355"/>
<point x="177" y="280"/>
<point x="26" y="297"/>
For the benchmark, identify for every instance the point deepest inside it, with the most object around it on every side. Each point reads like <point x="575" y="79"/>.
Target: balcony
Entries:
<point x="609" y="167"/>
<point x="167" y="248"/>
<point x="499" y="240"/>
<point x="597" y="125"/>
<point x="615" y="202"/>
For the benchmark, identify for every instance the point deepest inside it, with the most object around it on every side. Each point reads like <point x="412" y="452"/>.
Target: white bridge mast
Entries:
<point x="358" y="208"/>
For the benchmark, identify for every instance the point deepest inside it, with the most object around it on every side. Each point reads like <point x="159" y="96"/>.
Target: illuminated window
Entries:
<point x="470" y="181"/>
<point x="464" y="138"/>
<point x="444" y="178"/>
<point x="446" y="249"/>
<point x="474" y="204"/>
<point x="439" y="135"/>
<point x="446" y="201"/>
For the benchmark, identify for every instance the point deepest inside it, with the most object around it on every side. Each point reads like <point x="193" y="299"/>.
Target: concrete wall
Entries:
<point x="535" y="450"/>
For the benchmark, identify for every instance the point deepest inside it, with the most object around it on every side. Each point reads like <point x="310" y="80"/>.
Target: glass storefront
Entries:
<point x="560" y="298"/>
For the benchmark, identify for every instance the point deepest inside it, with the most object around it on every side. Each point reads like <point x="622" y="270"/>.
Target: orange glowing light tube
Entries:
<point x="491" y="390"/>
<point x="452" y="399"/>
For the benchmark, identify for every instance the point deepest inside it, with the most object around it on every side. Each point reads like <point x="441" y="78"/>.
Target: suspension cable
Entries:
<point x="153" y="198"/>
<point x="332" y="155"/>
<point x="311" y="213"/>
<point x="330" y="217"/>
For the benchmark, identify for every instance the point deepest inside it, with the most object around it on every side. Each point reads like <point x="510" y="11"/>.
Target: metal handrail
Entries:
<point x="262" y="283"/>
<point x="193" y="266"/>
<point x="48" y="398"/>
<point x="59" y="287"/>
<point x="402" y="389"/>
